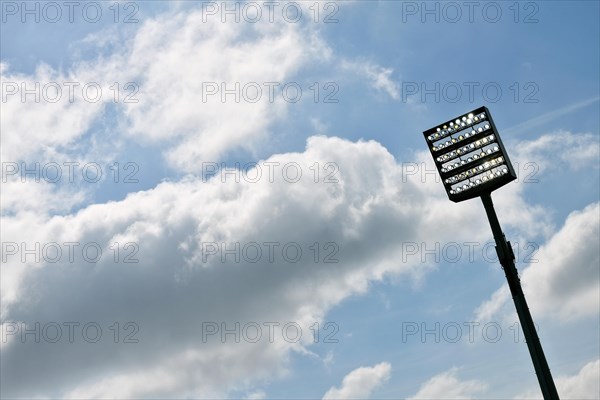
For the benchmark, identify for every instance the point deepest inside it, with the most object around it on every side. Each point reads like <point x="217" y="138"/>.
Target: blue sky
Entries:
<point x="394" y="229"/>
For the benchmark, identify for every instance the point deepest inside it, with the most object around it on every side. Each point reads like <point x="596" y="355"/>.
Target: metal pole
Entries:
<point x="507" y="259"/>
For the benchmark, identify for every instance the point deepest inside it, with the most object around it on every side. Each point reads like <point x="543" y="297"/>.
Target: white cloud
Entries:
<point x="549" y="151"/>
<point x="448" y="386"/>
<point x="41" y="133"/>
<point x="564" y="282"/>
<point x="584" y="385"/>
<point x="172" y="59"/>
<point x="40" y="117"/>
<point x="168" y="61"/>
<point x="379" y="77"/>
<point x="257" y="395"/>
<point x="489" y="308"/>
<point x="360" y="383"/>
<point x="171" y="292"/>
<point x="178" y="57"/>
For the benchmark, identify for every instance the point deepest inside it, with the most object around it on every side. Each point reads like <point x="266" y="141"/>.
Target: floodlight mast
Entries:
<point x="507" y="260"/>
<point x="469" y="170"/>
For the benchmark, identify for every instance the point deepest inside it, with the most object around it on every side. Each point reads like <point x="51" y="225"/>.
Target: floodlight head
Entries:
<point x="469" y="155"/>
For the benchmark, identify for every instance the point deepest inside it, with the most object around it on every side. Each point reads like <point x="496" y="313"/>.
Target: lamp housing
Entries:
<point x="469" y="155"/>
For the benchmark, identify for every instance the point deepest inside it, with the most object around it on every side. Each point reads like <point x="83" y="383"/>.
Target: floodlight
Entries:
<point x="463" y="144"/>
<point x="472" y="162"/>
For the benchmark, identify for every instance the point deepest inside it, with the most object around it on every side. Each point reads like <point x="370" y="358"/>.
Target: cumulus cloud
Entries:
<point x="184" y="85"/>
<point x="547" y="151"/>
<point x="48" y="127"/>
<point x="583" y="385"/>
<point x="564" y="282"/>
<point x="360" y="383"/>
<point x="173" y="290"/>
<point x="153" y="88"/>
<point x="177" y="287"/>
<point x="32" y="103"/>
<point x="361" y="212"/>
<point x="174" y="83"/>
<point x="447" y="385"/>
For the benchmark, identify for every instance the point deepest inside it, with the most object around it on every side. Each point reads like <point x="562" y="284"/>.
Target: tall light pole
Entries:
<point x="473" y="162"/>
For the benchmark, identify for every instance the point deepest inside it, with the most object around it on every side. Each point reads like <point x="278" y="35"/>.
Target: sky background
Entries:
<point x="415" y="304"/>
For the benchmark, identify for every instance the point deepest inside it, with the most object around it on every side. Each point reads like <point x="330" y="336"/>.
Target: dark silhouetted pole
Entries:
<point x="507" y="259"/>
